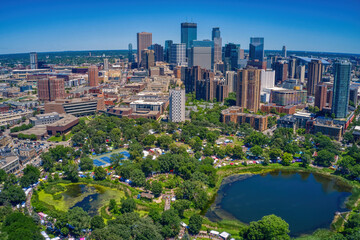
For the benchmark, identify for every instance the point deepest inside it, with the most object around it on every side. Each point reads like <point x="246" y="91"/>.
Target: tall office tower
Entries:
<point x="50" y="89"/>
<point x="178" y="54"/>
<point x="292" y="67"/>
<point x="188" y="33"/>
<point x="248" y="89"/>
<point x="106" y="64"/>
<point x="323" y="96"/>
<point x="191" y="75"/>
<point x="231" y="56"/>
<point x="284" y="51"/>
<point x="93" y="76"/>
<point x="300" y="73"/>
<point x="217" y="44"/>
<point x="267" y="79"/>
<point x="205" y="89"/>
<point x="231" y="81"/>
<point x="130" y="53"/>
<point x="256" y="49"/>
<point x="33" y="60"/>
<point x="281" y="71"/>
<point x="148" y="58"/>
<point x="177" y="105"/>
<point x="222" y="90"/>
<point x="144" y="40"/>
<point x="158" y="52"/>
<point x="202" y="54"/>
<point x="167" y="56"/>
<point x="314" y="76"/>
<point x="340" y="101"/>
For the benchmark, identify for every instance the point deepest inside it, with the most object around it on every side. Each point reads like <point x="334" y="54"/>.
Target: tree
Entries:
<point x="113" y="206"/>
<point x="269" y="227"/>
<point x="86" y="163"/>
<point x="156" y="188"/>
<point x="155" y="215"/>
<point x="238" y="152"/>
<point x="145" y="229"/>
<point x="211" y="137"/>
<point x="138" y="178"/>
<point x="64" y="231"/>
<point x="31" y="175"/>
<point x="195" y="222"/>
<point x="181" y="205"/>
<point x="12" y="194"/>
<point x="79" y="220"/>
<point x="99" y="173"/>
<point x="305" y="160"/>
<point x="324" y="158"/>
<point x="348" y="137"/>
<point x="164" y="141"/>
<point x="287" y="159"/>
<point x="256" y="150"/>
<point x="17" y="225"/>
<point x="171" y="223"/>
<point x="71" y="172"/>
<point x="149" y="140"/>
<point x="97" y="222"/>
<point x="127" y="205"/>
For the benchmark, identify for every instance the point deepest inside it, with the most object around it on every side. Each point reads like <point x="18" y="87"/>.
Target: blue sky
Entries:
<point x="52" y="25"/>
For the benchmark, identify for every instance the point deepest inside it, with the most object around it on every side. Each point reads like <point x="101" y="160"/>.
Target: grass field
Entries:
<point x="60" y="139"/>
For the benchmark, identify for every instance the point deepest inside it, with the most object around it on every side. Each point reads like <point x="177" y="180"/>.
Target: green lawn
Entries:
<point x="60" y="139"/>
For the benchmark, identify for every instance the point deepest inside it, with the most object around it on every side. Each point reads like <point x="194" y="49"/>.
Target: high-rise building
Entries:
<point x="130" y="53"/>
<point x="191" y="75"/>
<point x="267" y="78"/>
<point x="281" y="71"/>
<point x="148" y="58"/>
<point x="292" y="67"/>
<point x="188" y="33"/>
<point x="106" y="64"/>
<point x="230" y="79"/>
<point x="144" y="40"/>
<point x="232" y="56"/>
<point x="222" y="90"/>
<point x="217" y="44"/>
<point x="340" y="101"/>
<point x="205" y="88"/>
<point x="201" y="54"/>
<point x="248" y="89"/>
<point x="256" y="49"/>
<point x="284" y="51"/>
<point x="314" y="76"/>
<point x="178" y="54"/>
<point x="323" y="96"/>
<point x="50" y="89"/>
<point x="93" y="76"/>
<point x="158" y="52"/>
<point x="300" y="73"/>
<point x="33" y="60"/>
<point x="167" y="56"/>
<point x="177" y="105"/>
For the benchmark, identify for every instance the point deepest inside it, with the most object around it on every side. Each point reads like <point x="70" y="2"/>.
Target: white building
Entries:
<point x="267" y="78"/>
<point x="177" y="105"/>
<point x="231" y="81"/>
<point x="178" y="54"/>
<point x="300" y="73"/>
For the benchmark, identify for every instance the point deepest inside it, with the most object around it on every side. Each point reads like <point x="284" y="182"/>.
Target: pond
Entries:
<point x="305" y="201"/>
<point x="90" y="197"/>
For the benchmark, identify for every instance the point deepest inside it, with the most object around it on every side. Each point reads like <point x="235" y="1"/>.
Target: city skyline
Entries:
<point x="322" y="26"/>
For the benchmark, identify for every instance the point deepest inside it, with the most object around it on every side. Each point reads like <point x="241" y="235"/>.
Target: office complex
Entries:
<point x="323" y="96"/>
<point x="340" y="101"/>
<point x="201" y="54"/>
<point x="167" y="54"/>
<point x="33" y="60"/>
<point x="292" y="67"/>
<point x="216" y="38"/>
<point x="285" y="97"/>
<point x="130" y="53"/>
<point x="148" y="58"/>
<point x="314" y="76"/>
<point x="177" y="105"/>
<point x="144" y="40"/>
<point x="188" y="33"/>
<point x="284" y="51"/>
<point x="232" y="56"/>
<point x="93" y="76"/>
<point x="178" y="54"/>
<point x="248" y="89"/>
<point x="267" y="78"/>
<point x="281" y="71"/>
<point x="158" y="52"/>
<point x="50" y="89"/>
<point x="191" y="75"/>
<point x="256" y="49"/>
<point x="106" y="64"/>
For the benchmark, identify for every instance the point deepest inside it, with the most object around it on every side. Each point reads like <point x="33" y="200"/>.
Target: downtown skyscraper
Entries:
<point x="33" y="60"/>
<point x="144" y="40"/>
<point x="188" y="33"/>
<point x="256" y="49"/>
<point x="217" y="44"/>
<point x="340" y="100"/>
<point x="314" y="76"/>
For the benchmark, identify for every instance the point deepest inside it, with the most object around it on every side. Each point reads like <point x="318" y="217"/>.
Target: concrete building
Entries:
<point x="248" y="89"/>
<point x="93" y="76"/>
<point x="284" y="97"/>
<point x="76" y="106"/>
<point x="323" y="96"/>
<point x="281" y="71"/>
<point x="271" y="108"/>
<point x="267" y="78"/>
<point x="63" y="125"/>
<point x="148" y="59"/>
<point x="144" y="40"/>
<point x="44" y="119"/>
<point x="178" y="54"/>
<point x="292" y="67"/>
<point x="284" y="51"/>
<point x="177" y="105"/>
<point x="205" y="88"/>
<point x="10" y="164"/>
<point x="50" y="89"/>
<point x="158" y="52"/>
<point x="236" y="115"/>
<point x="300" y="73"/>
<point x="148" y="105"/>
<point x="342" y="77"/>
<point x="314" y="76"/>
<point x="202" y="54"/>
<point x="221" y="90"/>
<point x="106" y="64"/>
<point x="231" y="80"/>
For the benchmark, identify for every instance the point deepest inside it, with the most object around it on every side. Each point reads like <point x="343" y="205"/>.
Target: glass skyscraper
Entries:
<point x="217" y="44"/>
<point x="340" y="102"/>
<point x="188" y="33"/>
<point x="256" y="48"/>
<point x="231" y="56"/>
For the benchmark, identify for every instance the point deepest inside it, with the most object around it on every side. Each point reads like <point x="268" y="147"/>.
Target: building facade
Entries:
<point x="340" y="101"/>
<point x="93" y="76"/>
<point x="314" y="76"/>
<point x="178" y="54"/>
<point x="177" y="105"/>
<point x="144" y="40"/>
<point x="188" y="33"/>
<point x="50" y="89"/>
<point x="256" y="49"/>
<point x="248" y="89"/>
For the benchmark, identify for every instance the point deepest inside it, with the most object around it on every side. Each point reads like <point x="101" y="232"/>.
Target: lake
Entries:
<point x="305" y="201"/>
